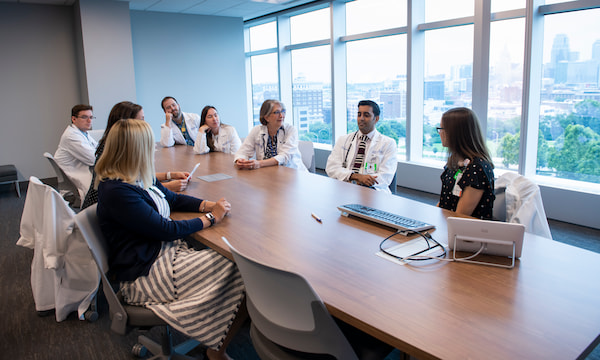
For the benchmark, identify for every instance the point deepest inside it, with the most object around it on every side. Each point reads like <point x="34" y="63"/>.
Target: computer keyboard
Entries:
<point x="383" y="217"/>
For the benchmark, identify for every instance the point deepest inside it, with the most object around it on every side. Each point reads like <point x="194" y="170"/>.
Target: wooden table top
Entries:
<point x="547" y="307"/>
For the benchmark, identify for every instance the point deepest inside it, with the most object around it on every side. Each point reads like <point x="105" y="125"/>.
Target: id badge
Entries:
<point x="370" y="168"/>
<point x="456" y="190"/>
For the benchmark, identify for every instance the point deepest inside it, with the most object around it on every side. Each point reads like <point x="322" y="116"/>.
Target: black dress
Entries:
<point x="478" y="174"/>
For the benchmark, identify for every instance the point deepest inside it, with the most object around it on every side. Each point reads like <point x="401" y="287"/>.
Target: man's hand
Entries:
<point x="168" y="118"/>
<point x="364" y="179"/>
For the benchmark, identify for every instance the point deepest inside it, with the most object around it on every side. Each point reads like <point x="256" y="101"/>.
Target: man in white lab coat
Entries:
<point x="365" y="157"/>
<point x="179" y="127"/>
<point x="76" y="150"/>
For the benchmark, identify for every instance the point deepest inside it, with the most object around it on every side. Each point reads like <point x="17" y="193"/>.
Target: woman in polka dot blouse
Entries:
<point x="468" y="177"/>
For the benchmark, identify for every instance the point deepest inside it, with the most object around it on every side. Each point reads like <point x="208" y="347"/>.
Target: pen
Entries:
<point x="316" y="217"/>
<point x="192" y="173"/>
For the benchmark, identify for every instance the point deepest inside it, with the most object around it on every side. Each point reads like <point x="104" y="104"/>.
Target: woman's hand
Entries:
<point x="179" y="175"/>
<point x="220" y="209"/>
<point x="176" y="185"/>
<point x="243" y="164"/>
<point x="204" y="129"/>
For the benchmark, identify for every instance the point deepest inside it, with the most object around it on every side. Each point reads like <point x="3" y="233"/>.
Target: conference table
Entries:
<point x="546" y="307"/>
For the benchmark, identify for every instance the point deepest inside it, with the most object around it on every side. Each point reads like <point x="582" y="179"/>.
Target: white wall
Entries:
<point x="197" y="59"/>
<point x="38" y="83"/>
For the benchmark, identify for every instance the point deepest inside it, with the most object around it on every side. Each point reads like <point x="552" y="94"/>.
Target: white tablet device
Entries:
<point x="496" y="237"/>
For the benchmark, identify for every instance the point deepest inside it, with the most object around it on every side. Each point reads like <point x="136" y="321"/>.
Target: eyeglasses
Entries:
<point x="277" y="112"/>
<point x="439" y="129"/>
<point x="85" y="117"/>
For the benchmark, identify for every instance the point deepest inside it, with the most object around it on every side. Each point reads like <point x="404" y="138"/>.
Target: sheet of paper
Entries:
<point x="214" y="177"/>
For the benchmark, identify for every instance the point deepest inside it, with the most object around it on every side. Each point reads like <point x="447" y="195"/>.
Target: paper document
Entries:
<point x="214" y="177"/>
<point x="192" y="172"/>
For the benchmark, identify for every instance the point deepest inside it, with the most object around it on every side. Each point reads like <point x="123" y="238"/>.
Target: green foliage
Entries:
<point x="576" y="154"/>
<point x="509" y="149"/>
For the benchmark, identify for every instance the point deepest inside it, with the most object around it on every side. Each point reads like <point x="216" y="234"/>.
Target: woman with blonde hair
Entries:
<point x="197" y="292"/>
<point x="272" y="143"/>
<point x="174" y="181"/>
<point x="468" y="177"/>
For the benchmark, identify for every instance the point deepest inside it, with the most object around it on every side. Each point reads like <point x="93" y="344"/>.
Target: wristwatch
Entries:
<point x="210" y="218"/>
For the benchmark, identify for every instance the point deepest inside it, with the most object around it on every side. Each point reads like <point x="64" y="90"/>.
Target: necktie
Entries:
<point x="360" y="154"/>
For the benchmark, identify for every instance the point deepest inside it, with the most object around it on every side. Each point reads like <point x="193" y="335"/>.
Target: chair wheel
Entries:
<point x="91" y="315"/>
<point x="139" y="350"/>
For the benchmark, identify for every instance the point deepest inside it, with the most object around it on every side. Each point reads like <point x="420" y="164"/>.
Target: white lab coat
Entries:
<point x="288" y="153"/>
<point x="171" y="135"/>
<point x="381" y="151"/>
<point x="64" y="275"/>
<point x="75" y="155"/>
<point x="226" y="141"/>
<point x="521" y="202"/>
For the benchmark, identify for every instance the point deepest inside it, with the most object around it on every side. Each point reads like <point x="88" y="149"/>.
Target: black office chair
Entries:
<point x="124" y="316"/>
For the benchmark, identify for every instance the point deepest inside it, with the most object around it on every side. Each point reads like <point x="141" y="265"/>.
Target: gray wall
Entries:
<point x="197" y="59"/>
<point x="57" y="56"/>
<point x="38" y="83"/>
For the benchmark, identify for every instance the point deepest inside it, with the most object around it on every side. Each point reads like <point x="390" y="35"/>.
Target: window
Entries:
<point x="569" y="124"/>
<point x="376" y="70"/>
<point x="311" y="93"/>
<point x="507" y="43"/>
<point x="264" y="82"/>
<point x="437" y="10"/>
<point x="448" y="81"/>
<point x="372" y="15"/>
<point x="310" y="26"/>
<point x="263" y="36"/>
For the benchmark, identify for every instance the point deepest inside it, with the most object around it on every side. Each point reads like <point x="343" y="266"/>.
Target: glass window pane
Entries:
<point x="372" y="15"/>
<point x="569" y="127"/>
<point x="265" y="83"/>
<point x="263" y="36"/>
<point x="376" y="70"/>
<point x="448" y="81"/>
<point x="311" y="93"/>
<point x="436" y="10"/>
<point x="507" y="43"/>
<point x="503" y="5"/>
<point x="310" y="26"/>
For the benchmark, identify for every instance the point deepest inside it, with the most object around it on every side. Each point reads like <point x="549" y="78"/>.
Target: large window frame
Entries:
<point x="415" y="29"/>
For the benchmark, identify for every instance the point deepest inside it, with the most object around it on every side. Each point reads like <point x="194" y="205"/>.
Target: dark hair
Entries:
<point x="209" y="135"/>
<point x="267" y="107"/>
<point x="122" y="110"/>
<point x="372" y="104"/>
<point x="162" y="103"/>
<point x="81" y="107"/>
<point x="463" y="136"/>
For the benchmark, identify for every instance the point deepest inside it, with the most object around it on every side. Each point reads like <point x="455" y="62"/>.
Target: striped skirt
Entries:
<point x="196" y="292"/>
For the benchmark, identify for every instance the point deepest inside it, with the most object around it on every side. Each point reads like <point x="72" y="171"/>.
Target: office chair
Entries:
<point x="289" y="320"/>
<point x="65" y="186"/>
<point x="8" y="175"/>
<point x="393" y="185"/>
<point x="307" y="151"/>
<point x="519" y="200"/>
<point x="124" y="316"/>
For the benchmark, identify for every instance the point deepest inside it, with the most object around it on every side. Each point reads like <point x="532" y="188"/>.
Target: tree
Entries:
<point x="575" y="155"/>
<point x="509" y="149"/>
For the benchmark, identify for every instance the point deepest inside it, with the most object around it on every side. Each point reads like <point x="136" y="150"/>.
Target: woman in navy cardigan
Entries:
<point x="196" y="292"/>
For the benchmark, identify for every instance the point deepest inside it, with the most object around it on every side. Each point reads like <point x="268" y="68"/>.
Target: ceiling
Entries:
<point x="246" y="9"/>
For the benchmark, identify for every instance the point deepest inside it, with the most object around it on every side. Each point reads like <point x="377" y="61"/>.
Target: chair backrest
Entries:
<point x="307" y="151"/>
<point x="393" y="185"/>
<point x="286" y="310"/>
<point x="87" y="222"/>
<point x="519" y="200"/>
<point x="65" y="186"/>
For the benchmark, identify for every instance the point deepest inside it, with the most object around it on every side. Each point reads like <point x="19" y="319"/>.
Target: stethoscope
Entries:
<point x="264" y="142"/>
<point x="349" y="147"/>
